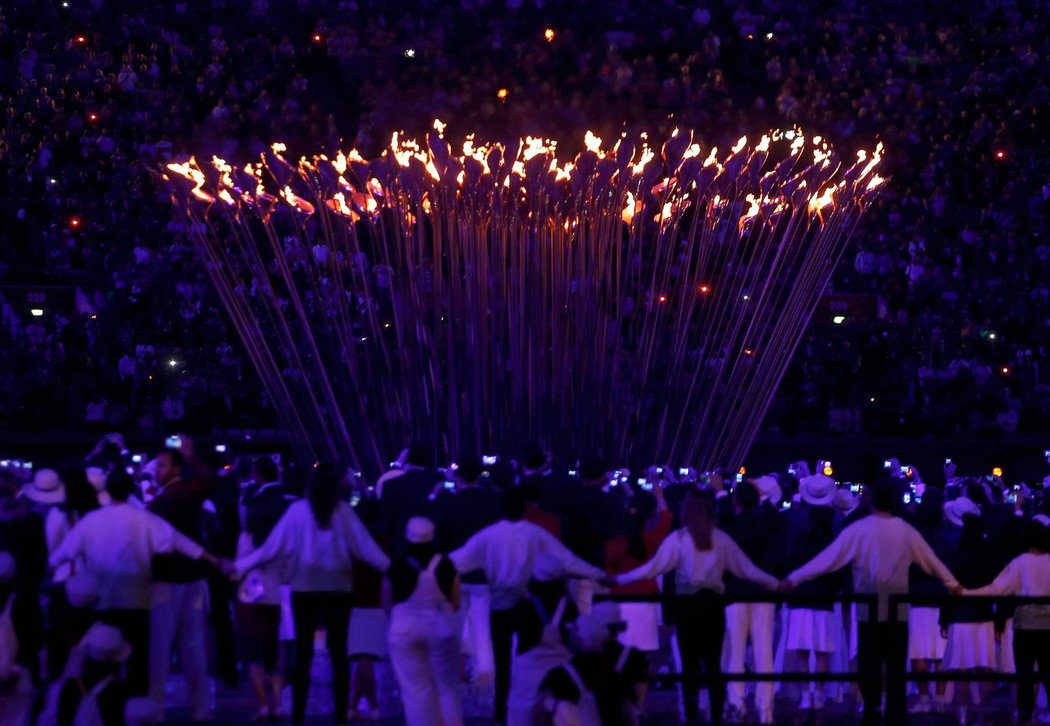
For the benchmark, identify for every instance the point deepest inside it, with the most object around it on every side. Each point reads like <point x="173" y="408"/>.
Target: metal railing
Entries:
<point x="871" y="601"/>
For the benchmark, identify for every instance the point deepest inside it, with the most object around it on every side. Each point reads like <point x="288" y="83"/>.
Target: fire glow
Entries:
<point x="497" y="294"/>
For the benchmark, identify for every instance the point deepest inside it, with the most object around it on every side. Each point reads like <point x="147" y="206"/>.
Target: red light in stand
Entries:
<point x="1005" y="370"/>
<point x="317" y="38"/>
<point x="80" y="39"/>
<point x="703" y="289"/>
<point x="92" y="117"/>
<point x="661" y="299"/>
<point x="1000" y="154"/>
<point x="74" y="222"/>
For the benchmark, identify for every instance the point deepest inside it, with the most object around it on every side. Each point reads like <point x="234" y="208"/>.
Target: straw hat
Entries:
<point x="845" y="501"/>
<point x="105" y="643"/>
<point x="817" y="489"/>
<point x="46" y="488"/>
<point x="769" y="489"/>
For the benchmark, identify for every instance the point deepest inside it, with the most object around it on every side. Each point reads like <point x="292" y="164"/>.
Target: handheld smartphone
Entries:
<point x="572" y="472"/>
<point x="947" y="461"/>
<point x="136" y="459"/>
<point x="173" y="442"/>
<point x="220" y="448"/>
<point x="488" y="460"/>
<point x="887" y="464"/>
<point x="684" y="471"/>
<point x="739" y="478"/>
<point x="907" y="498"/>
<point x="786" y="505"/>
<point x="449" y="485"/>
<point x="660" y="470"/>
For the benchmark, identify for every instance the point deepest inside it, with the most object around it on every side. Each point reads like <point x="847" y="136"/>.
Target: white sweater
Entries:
<point x="506" y="553"/>
<point x="320" y="560"/>
<point x="697" y="570"/>
<point x="1027" y="574"/>
<point x="880" y="549"/>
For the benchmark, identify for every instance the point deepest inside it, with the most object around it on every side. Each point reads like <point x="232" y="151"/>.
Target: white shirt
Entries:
<point x="697" y="570"/>
<point x="1029" y="575"/>
<point x="116" y="545"/>
<point x="880" y="549"/>
<point x="506" y="552"/>
<point x="320" y="560"/>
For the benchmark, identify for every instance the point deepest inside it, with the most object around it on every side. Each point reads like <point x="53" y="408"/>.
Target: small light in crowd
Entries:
<point x="74" y="222"/>
<point x="742" y="471"/>
<point x="839" y="319"/>
<point x="661" y="299"/>
<point x="92" y="117"/>
<point x="769" y="36"/>
<point x="36" y="312"/>
<point x="997" y="471"/>
<point x="704" y="289"/>
<point x="53" y="181"/>
<point x="828" y="471"/>
<point x="750" y="36"/>
<point x="549" y="34"/>
<point x="1000" y="154"/>
<point x="172" y="363"/>
<point x="94" y="317"/>
<point x="317" y="38"/>
<point x="747" y="298"/>
<point x="502" y="94"/>
<point x="991" y="336"/>
<point x="1005" y="370"/>
<point x="871" y="400"/>
<point x="748" y="352"/>
<point x="386" y="325"/>
<point x="81" y="39"/>
<point x="410" y="53"/>
<point x="363" y="339"/>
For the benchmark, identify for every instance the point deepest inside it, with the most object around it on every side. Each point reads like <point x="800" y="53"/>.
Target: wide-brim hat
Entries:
<point x="817" y="489"/>
<point x="845" y="501"/>
<point x="105" y="643"/>
<point x="956" y="509"/>
<point x="46" y="488"/>
<point x="769" y="489"/>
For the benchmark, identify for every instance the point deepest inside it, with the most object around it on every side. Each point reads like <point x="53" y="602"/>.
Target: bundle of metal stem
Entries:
<point x="645" y="305"/>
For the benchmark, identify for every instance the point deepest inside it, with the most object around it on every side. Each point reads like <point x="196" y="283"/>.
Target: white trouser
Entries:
<point x="754" y="620"/>
<point x="428" y="671"/>
<point x="179" y="612"/>
<point x="477" y="634"/>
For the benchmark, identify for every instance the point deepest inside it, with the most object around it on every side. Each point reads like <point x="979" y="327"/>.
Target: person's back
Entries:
<point x="755" y="531"/>
<point x="461" y="514"/>
<point x="404" y="497"/>
<point x="182" y="506"/>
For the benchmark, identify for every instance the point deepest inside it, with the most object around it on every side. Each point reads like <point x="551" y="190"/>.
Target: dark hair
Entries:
<point x="883" y="496"/>
<point x="533" y="457"/>
<point x="176" y="456"/>
<point x="746" y="495"/>
<point x="592" y="468"/>
<point x="81" y="497"/>
<point x="322" y="492"/>
<point x="698" y="517"/>
<point x="514" y="503"/>
<point x="976" y="492"/>
<point x="502" y="475"/>
<point x="420" y="454"/>
<point x="639" y="508"/>
<point x="1036" y="536"/>
<point x="265" y="469"/>
<point x="469" y="468"/>
<point x="120" y="485"/>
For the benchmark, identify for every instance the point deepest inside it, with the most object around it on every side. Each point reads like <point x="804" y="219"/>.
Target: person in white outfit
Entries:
<point x="423" y="589"/>
<point x="318" y="538"/>
<point x="506" y="553"/>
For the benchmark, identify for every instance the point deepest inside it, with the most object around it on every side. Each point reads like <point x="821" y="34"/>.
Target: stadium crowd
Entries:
<point x="952" y="260"/>
<point x="499" y="573"/>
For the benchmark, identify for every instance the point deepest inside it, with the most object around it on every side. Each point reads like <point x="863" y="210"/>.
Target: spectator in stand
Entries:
<point x="317" y="539"/>
<point x="699" y="554"/>
<point x="405" y="493"/>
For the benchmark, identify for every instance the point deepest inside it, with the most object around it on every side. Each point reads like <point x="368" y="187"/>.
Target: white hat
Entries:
<point x="769" y="489"/>
<point x="82" y="590"/>
<point x="105" y="643"/>
<point x="817" y="489"/>
<point x="595" y="627"/>
<point x="547" y="567"/>
<point x="46" y="488"/>
<point x="956" y="509"/>
<point x="8" y="566"/>
<point x="845" y="501"/>
<point x="142" y="712"/>
<point x="419" y="530"/>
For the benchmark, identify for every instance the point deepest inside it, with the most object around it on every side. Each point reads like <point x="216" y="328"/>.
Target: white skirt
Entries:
<point x="970" y="645"/>
<point x="924" y="635"/>
<point x="643" y="625"/>
<point x="812" y="630"/>
<point x="367" y="634"/>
